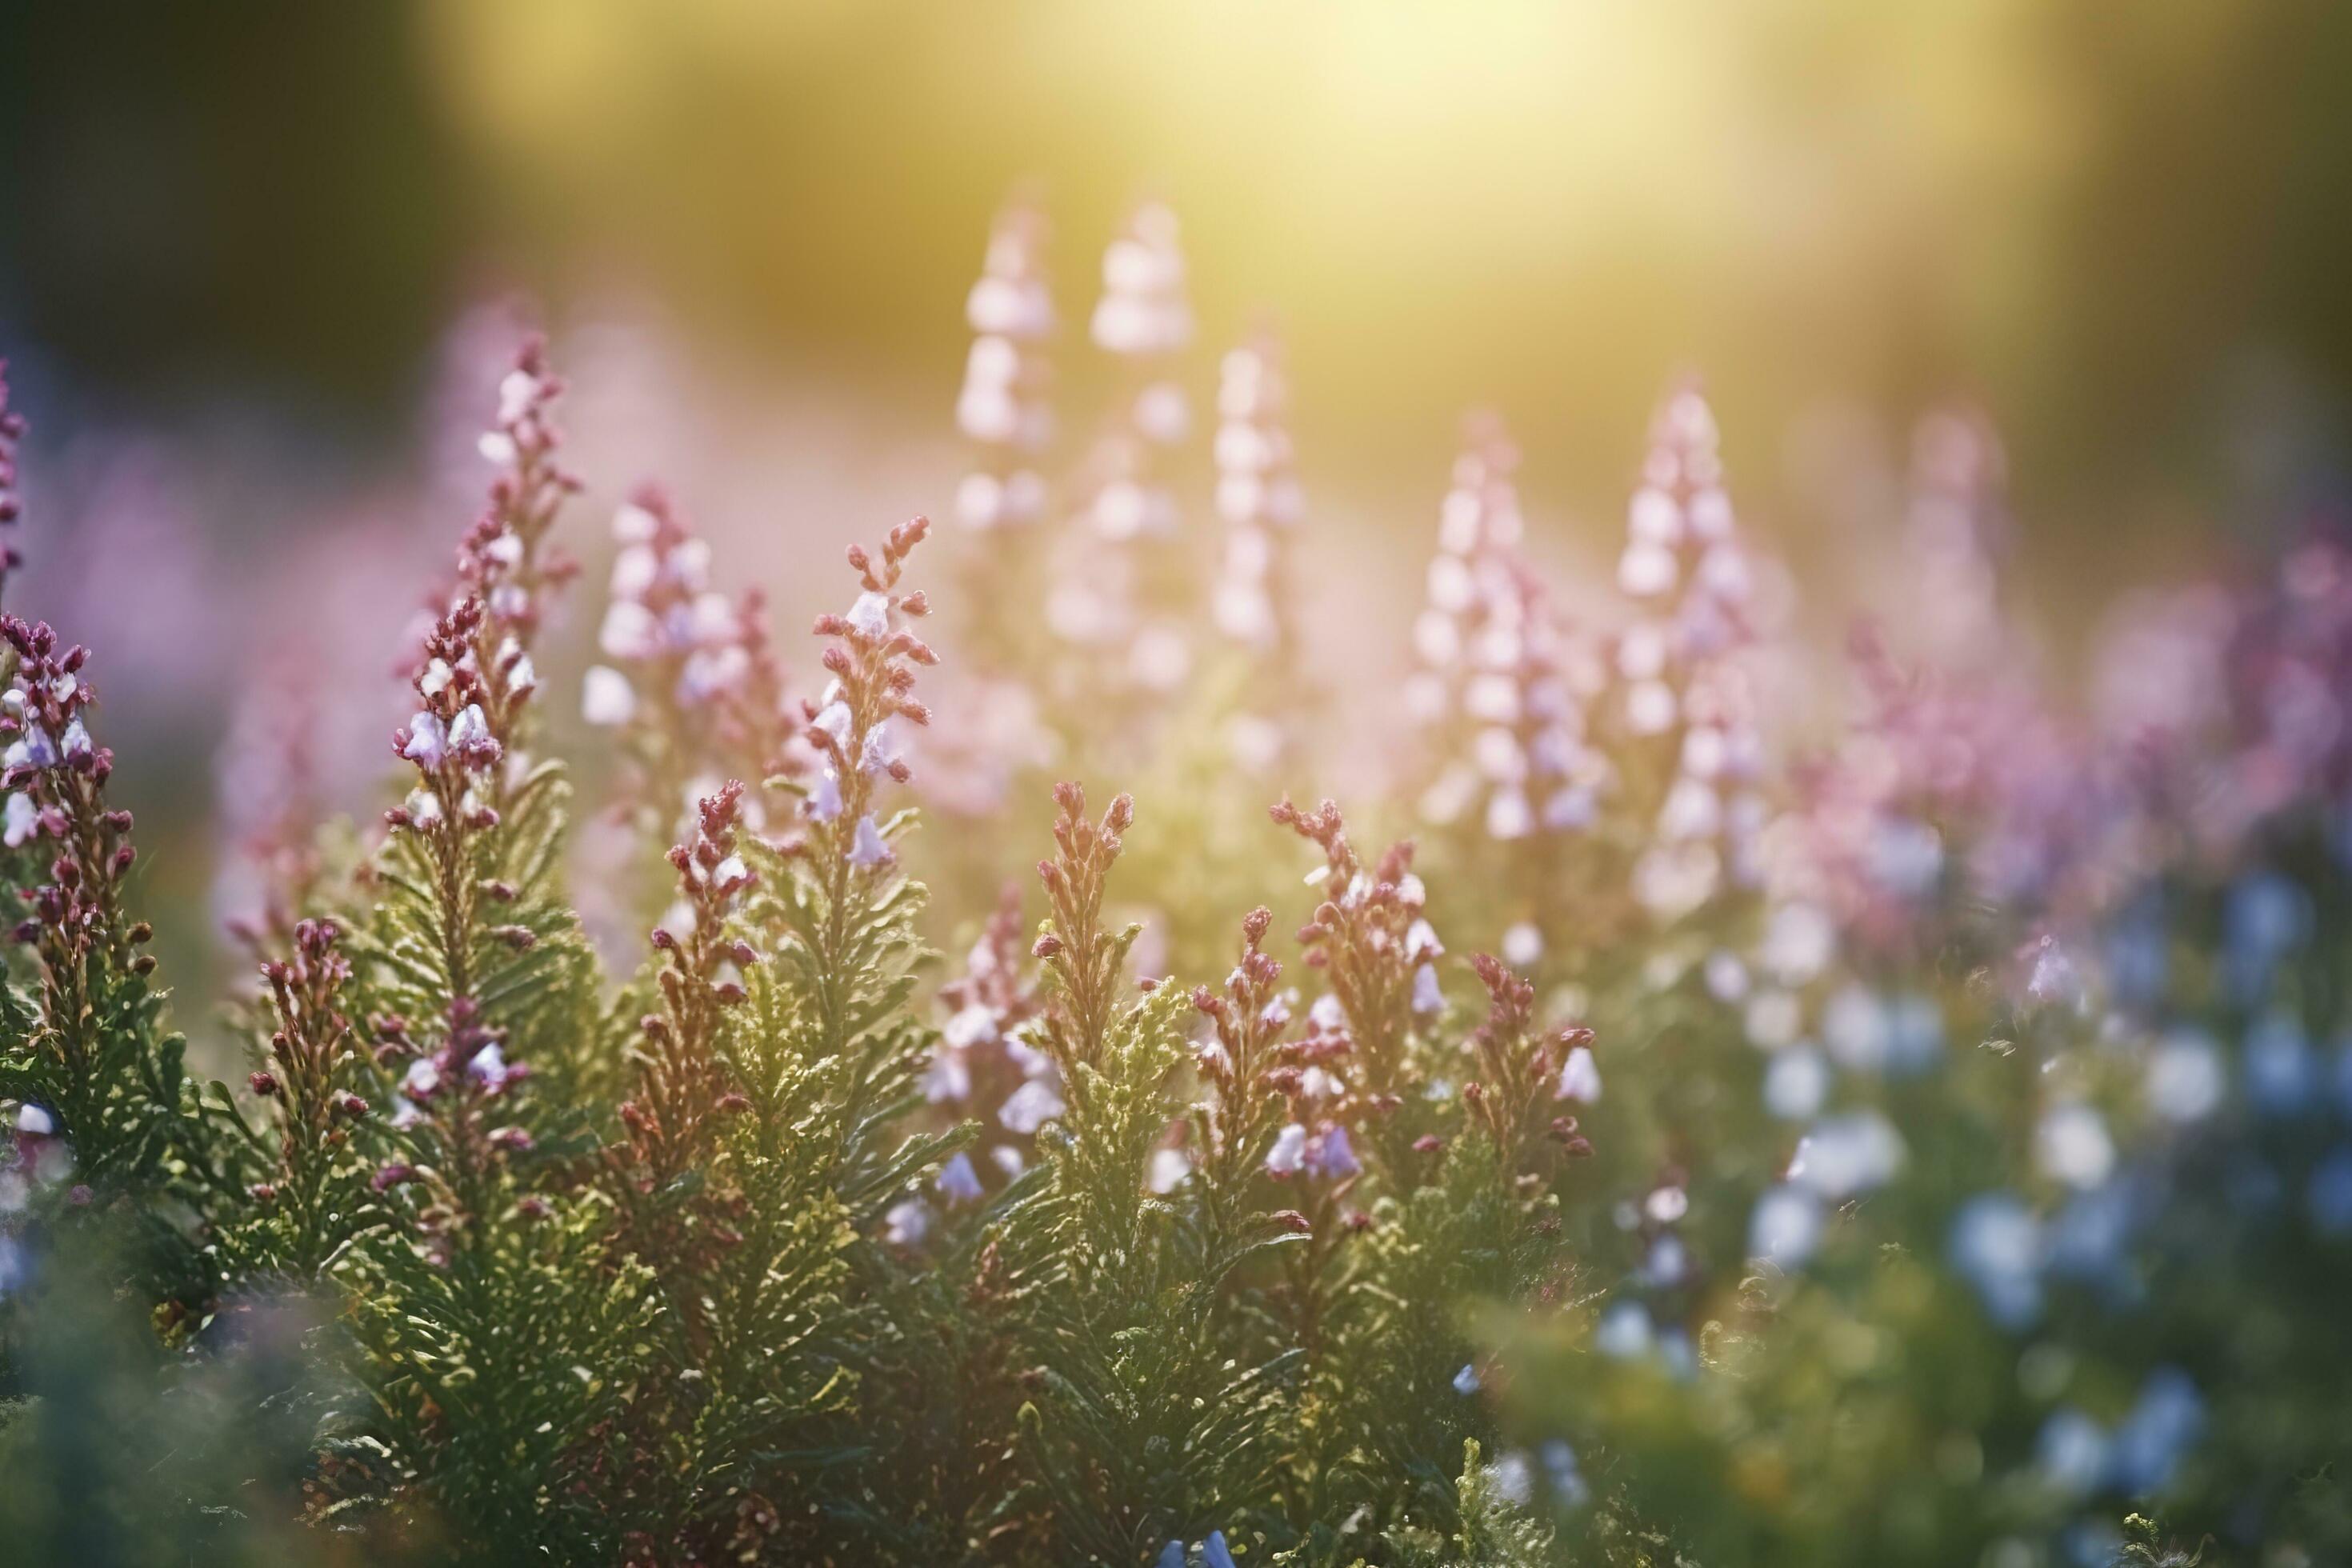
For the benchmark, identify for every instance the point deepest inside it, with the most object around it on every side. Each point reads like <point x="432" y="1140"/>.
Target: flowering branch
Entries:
<point x="695" y="688"/>
<point x="94" y="1059"/>
<point x="1377" y="952"/>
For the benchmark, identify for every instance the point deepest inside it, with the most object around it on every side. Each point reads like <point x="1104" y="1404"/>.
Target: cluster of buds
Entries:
<point x="1682" y="567"/>
<point x="1955" y="735"/>
<point x="1145" y="316"/>
<point x="454" y="1091"/>
<point x="1680" y="664"/>
<point x="1502" y="677"/>
<point x="1258" y="498"/>
<point x="1145" y="319"/>
<point x="1100" y="597"/>
<point x="504" y="560"/>
<point x="694" y="685"/>
<point x="1524" y="1071"/>
<point x="2231" y="706"/>
<point x="1247" y="1059"/>
<point x="1255" y="599"/>
<point x="55" y="778"/>
<point x="1003" y="406"/>
<point x="1375" y="948"/>
<point x="12" y="430"/>
<point x="452" y="740"/>
<point x="1083" y="957"/>
<point x="2287" y="672"/>
<point x="981" y="1059"/>
<point x="312" y="1038"/>
<point x="474" y="678"/>
<point x="872" y="662"/>
<point x="1936" y="750"/>
<point x="683" y="1083"/>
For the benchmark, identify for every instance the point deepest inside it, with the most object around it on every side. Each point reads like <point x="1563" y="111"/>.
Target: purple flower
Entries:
<point x="957" y="1182"/>
<point x="1428" y="996"/>
<point x="1333" y="1158"/>
<point x="868" y="850"/>
<point x="428" y="741"/>
<point x="823" y="803"/>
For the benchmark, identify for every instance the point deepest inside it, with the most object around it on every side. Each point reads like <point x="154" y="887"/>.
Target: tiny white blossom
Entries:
<point x="1166" y="1171"/>
<point x="633" y="525"/>
<point x="76" y="743"/>
<point x="834" y="719"/>
<point x="630" y="631"/>
<point x="469" y="728"/>
<point x="972" y="1026"/>
<point x="1289" y="1151"/>
<point x="1030" y="1107"/>
<point x="906" y="1224"/>
<point x="515" y="394"/>
<point x="1580" y="1078"/>
<point x="606" y="698"/>
<point x="428" y="741"/>
<point x="870" y="615"/>
<point x="33" y="749"/>
<point x="489" y="1067"/>
<point x="711" y="619"/>
<point x="22" y="820"/>
<point x="948" y="1078"/>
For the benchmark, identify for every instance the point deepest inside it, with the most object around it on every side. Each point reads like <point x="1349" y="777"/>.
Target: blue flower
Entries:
<point x="2266" y="916"/>
<point x="2072" y="1451"/>
<point x="1785" y="1228"/>
<point x="2329" y="1199"/>
<point x="2159" y="1431"/>
<point x="2139" y="955"/>
<point x="1624" y="1333"/>
<point x="2282" y="1071"/>
<point x="1997" y="1247"/>
<point x="957" y="1182"/>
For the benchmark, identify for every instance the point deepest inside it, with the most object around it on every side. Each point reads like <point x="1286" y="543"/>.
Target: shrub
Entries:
<point x="1971" y="1176"/>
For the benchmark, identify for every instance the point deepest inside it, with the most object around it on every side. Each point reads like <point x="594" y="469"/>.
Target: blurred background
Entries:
<point x="257" y="260"/>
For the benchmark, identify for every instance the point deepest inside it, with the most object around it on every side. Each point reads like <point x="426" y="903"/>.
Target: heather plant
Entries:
<point x="1727" y="1131"/>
